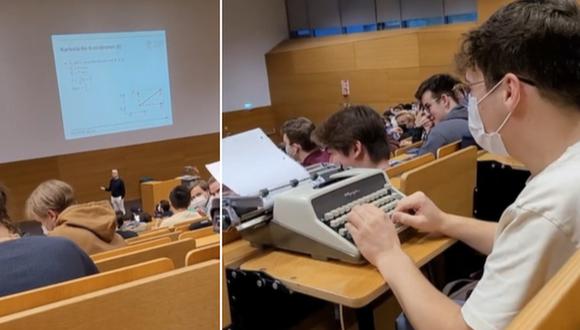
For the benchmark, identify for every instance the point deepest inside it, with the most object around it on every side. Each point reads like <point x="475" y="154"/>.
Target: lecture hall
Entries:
<point x="401" y="164"/>
<point x="110" y="132"/>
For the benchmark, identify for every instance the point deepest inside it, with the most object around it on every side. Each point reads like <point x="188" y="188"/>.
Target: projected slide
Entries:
<point x="112" y="82"/>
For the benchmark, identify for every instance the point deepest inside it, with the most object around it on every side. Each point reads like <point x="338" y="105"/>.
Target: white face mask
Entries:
<point x="198" y="202"/>
<point x="491" y="142"/>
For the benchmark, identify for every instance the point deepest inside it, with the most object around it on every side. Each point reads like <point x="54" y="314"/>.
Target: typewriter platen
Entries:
<point x="310" y="216"/>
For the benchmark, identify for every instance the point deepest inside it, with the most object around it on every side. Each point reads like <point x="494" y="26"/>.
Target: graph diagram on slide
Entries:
<point x="112" y="82"/>
<point x="143" y="102"/>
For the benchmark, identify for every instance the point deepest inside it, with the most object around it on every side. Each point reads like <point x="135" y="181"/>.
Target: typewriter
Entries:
<point x="309" y="216"/>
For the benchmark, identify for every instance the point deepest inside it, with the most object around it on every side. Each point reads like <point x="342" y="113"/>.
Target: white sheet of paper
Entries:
<point x="215" y="171"/>
<point x="252" y="162"/>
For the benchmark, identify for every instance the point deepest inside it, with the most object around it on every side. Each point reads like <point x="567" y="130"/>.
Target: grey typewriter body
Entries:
<point x="310" y="218"/>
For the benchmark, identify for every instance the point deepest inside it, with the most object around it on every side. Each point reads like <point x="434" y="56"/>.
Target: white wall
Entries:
<point x="30" y="118"/>
<point x="251" y="28"/>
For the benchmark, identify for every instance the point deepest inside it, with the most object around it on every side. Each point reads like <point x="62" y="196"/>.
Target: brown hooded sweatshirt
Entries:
<point x="91" y="226"/>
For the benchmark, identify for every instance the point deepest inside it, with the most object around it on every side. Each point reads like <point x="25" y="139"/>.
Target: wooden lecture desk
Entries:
<point x="353" y="286"/>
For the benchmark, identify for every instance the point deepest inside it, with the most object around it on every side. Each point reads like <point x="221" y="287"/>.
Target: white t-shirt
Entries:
<point x="535" y="237"/>
<point x="180" y="217"/>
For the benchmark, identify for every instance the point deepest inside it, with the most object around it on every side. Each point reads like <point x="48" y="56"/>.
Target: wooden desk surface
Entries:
<point x="506" y="160"/>
<point x="238" y="251"/>
<point x="351" y="285"/>
<point x="402" y="158"/>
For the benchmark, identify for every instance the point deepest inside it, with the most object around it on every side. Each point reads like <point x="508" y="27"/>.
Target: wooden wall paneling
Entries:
<point x="309" y="88"/>
<point x="244" y="120"/>
<point x="279" y="63"/>
<point x="398" y="51"/>
<point x="88" y="170"/>
<point x="316" y="112"/>
<point x="368" y="86"/>
<point x="485" y="8"/>
<point x="438" y="48"/>
<point x="427" y="71"/>
<point x="20" y="178"/>
<point x="324" y="59"/>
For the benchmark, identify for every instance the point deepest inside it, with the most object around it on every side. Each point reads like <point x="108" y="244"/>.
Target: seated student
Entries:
<point x="299" y="146"/>
<point x="121" y="227"/>
<point x="393" y="132"/>
<point x="35" y="261"/>
<point x="424" y="121"/>
<point x="355" y="136"/>
<point x="214" y="187"/>
<point x="163" y="209"/>
<point x="437" y="96"/>
<point x="406" y="123"/>
<point x="522" y="66"/>
<point x="91" y="225"/>
<point x="139" y="224"/>
<point x="214" y="195"/>
<point x="200" y="197"/>
<point x="180" y="198"/>
<point x="190" y="176"/>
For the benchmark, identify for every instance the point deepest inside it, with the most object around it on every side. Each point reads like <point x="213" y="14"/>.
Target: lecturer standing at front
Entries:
<point x="117" y="189"/>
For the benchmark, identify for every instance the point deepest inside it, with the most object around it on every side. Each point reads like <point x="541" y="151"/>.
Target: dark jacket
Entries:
<point x="451" y="128"/>
<point x="36" y="261"/>
<point x="117" y="188"/>
<point x="415" y="133"/>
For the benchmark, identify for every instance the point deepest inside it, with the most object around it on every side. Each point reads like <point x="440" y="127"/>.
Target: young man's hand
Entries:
<point x="424" y="120"/>
<point x="419" y="212"/>
<point x="373" y="233"/>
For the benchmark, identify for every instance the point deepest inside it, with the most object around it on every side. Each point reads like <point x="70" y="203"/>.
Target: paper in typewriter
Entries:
<point x="215" y="171"/>
<point x="252" y="162"/>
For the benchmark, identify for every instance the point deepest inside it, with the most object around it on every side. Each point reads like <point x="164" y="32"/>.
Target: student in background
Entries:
<point x="117" y="189"/>
<point x="139" y="224"/>
<point x="199" y="197"/>
<point x="299" y="146"/>
<point x="214" y="187"/>
<point x="392" y="130"/>
<point x="355" y="136"/>
<point x="406" y="123"/>
<point x="91" y="225"/>
<point x="34" y="261"/>
<point x="438" y="97"/>
<point x="425" y="121"/>
<point x="180" y="198"/>
<point x="163" y="209"/>
<point x="190" y="176"/>
<point x="121" y="228"/>
<point x="522" y="67"/>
